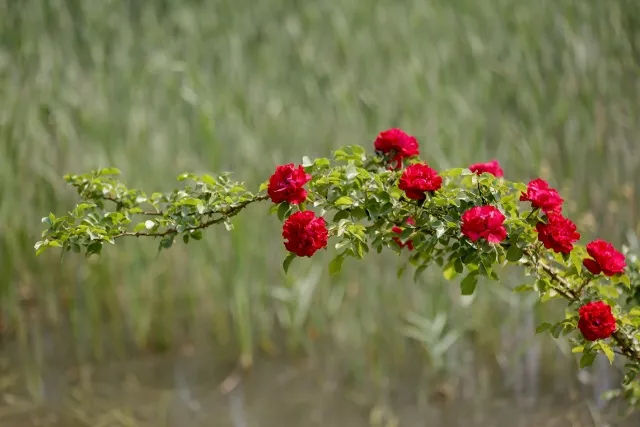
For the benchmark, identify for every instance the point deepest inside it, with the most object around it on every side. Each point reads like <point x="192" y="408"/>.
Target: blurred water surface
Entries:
<point x="190" y="386"/>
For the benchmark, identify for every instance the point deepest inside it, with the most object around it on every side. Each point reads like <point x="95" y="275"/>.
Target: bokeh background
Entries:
<point x="550" y="88"/>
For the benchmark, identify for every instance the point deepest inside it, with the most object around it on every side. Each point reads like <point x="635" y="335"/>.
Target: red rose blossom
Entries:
<point x="398" y="230"/>
<point x="304" y="233"/>
<point x="542" y="196"/>
<point x="606" y="258"/>
<point x="286" y="184"/>
<point x="418" y="179"/>
<point x="484" y="222"/>
<point x="398" y="143"/>
<point x="492" y="167"/>
<point x="558" y="233"/>
<point x="596" y="321"/>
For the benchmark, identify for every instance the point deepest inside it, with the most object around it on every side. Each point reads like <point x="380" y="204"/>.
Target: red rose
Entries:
<point x="558" y="233"/>
<point x="398" y="230"/>
<point x="286" y="184"/>
<point x="596" y="321"/>
<point x="484" y="222"/>
<point x="542" y="196"/>
<point x="304" y="233"/>
<point x="418" y="179"/>
<point x="606" y="258"/>
<point x="492" y="167"/>
<point x="397" y="143"/>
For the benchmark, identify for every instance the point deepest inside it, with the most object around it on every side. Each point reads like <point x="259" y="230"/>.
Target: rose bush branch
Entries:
<point x="224" y="215"/>
<point x="471" y="222"/>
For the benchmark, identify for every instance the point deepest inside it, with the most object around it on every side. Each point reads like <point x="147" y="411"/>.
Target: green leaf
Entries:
<point x="140" y="226"/>
<point x="350" y="172"/>
<point x="607" y="351"/>
<point x="400" y="271"/>
<point x="395" y="193"/>
<point x="321" y="162"/>
<point x="109" y="171"/>
<point x="543" y="327"/>
<point x="556" y="330"/>
<point x="608" y="291"/>
<point x="361" y="249"/>
<point x="340" y="215"/>
<point x="520" y="186"/>
<point x="283" y="210"/>
<point x="523" y="288"/>
<point x="94" y="248"/>
<point x="576" y="258"/>
<point x="208" y="179"/>
<point x="189" y="201"/>
<point x="452" y="172"/>
<point x="41" y="246"/>
<point x="406" y="233"/>
<point x="459" y="267"/>
<point x="336" y="265"/>
<point x="468" y="284"/>
<point x="577" y="349"/>
<point x="166" y="242"/>
<point x="287" y="262"/>
<point x="449" y="272"/>
<point x="344" y="201"/>
<point x="624" y="279"/>
<point x="542" y="285"/>
<point x="587" y="359"/>
<point x="514" y="253"/>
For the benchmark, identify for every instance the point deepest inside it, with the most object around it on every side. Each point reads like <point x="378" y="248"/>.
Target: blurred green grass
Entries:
<point x="549" y="88"/>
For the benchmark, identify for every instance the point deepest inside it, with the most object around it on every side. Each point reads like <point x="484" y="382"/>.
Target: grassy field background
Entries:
<point x="550" y="88"/>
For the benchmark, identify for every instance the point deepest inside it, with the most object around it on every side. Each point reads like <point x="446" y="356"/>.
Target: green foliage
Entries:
<point x="109" y="209"/>
<point x="361" y="198"/>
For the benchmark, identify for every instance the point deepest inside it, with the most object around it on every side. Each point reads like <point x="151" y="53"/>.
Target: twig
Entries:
<point x="484" y="201"/>
<point x="625" y="343"/>
<point x="120" y="204"/>
<point x="224" y="215"/>
<point x="564" y="288"/>
<point x="535" y="210"/>
<point x="568" y="293"/>
<point x="583" y="285"/>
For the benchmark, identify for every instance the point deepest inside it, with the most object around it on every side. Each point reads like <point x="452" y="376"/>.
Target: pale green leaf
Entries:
<point x="607" y="351"/>
<point x="344" y="201"/>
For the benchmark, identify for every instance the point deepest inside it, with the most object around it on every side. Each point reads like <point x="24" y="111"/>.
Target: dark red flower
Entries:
<point x="606" y="258"/>
<point x="304" y="233"/>
<point x="542" y="196"/>
<point x="398" y="144"/>
<point x="484" y="222"/>
<point x="286" y="184"/>
<point x="398" y="230"/>
<point x="492" y="167"/>
<point x="596" y="321"/>
<point x="558" y="233"/>
<point x="417" y="179"/>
